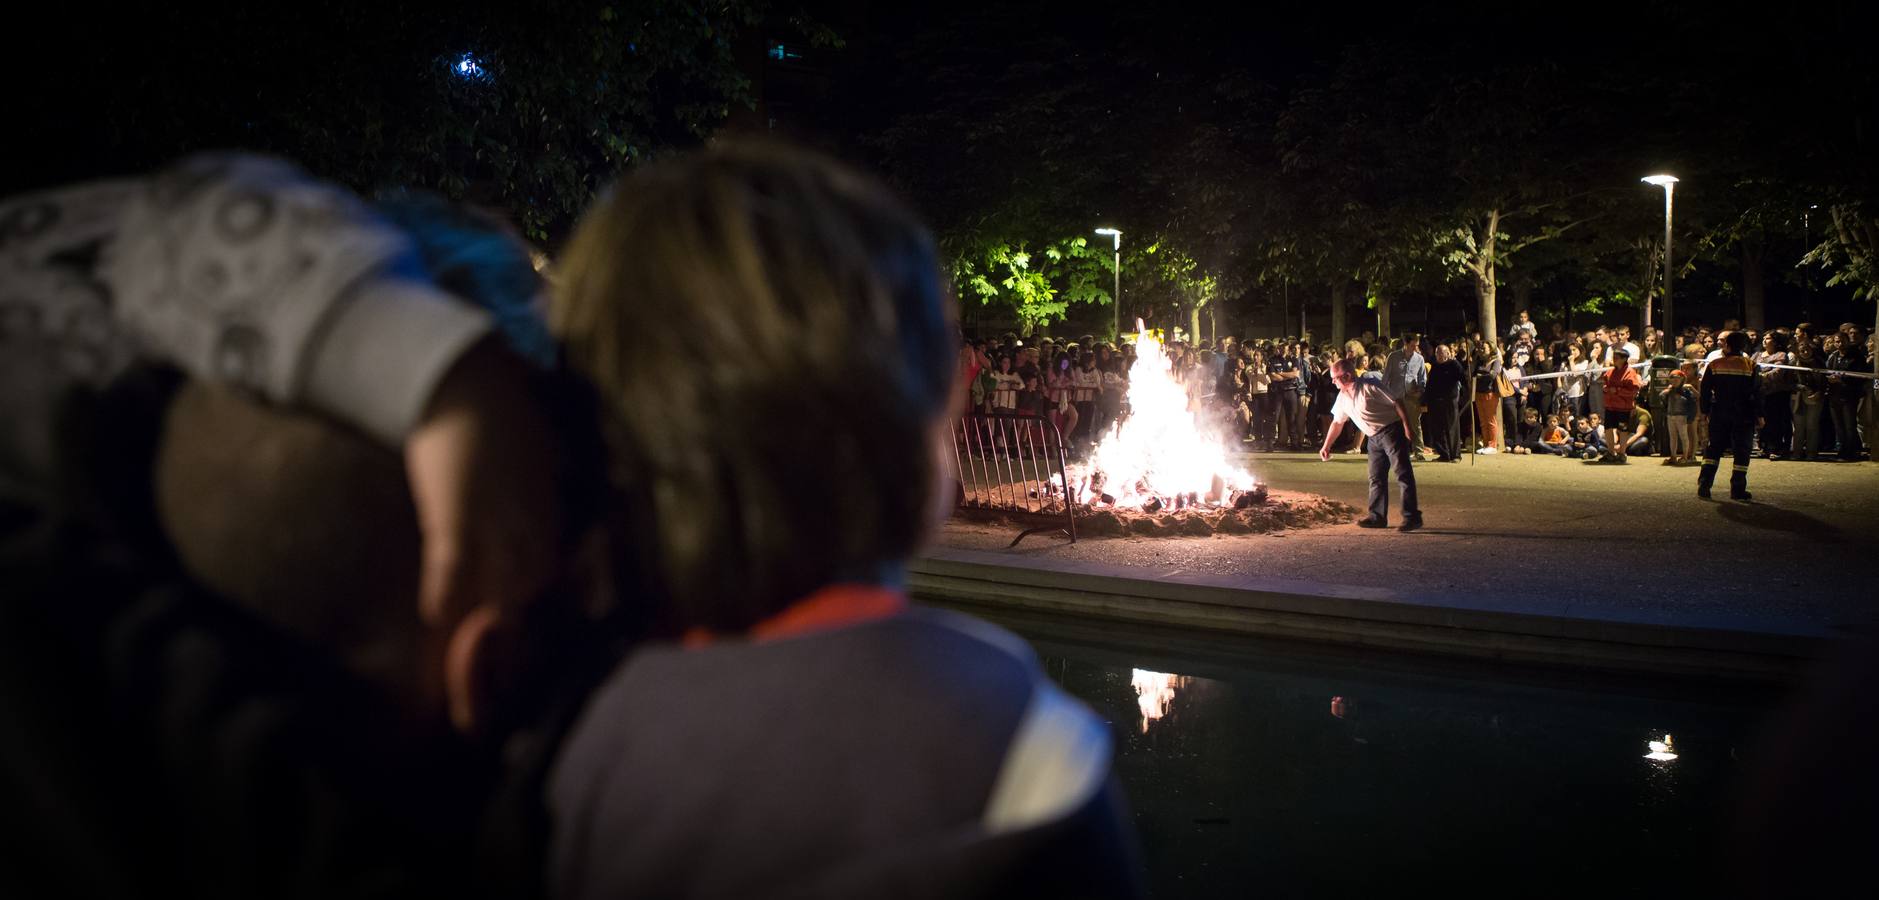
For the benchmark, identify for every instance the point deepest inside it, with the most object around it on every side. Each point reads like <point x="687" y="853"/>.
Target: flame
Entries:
<point x="1662" y="751"/>
<point x="1154" y="691"/>
<point x="1159" y="451"/>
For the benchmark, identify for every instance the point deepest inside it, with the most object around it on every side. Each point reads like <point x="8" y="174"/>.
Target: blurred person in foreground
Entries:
<point x="738" y="699"/>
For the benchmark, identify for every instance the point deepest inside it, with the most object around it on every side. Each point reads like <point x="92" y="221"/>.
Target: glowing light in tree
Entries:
<point x="468" y="68"/>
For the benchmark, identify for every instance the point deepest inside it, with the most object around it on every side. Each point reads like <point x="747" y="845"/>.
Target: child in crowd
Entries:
<point x="1680" y="405"/>
<point x="1585" y="441"/>
<point x="1554" y="439"/>
<point x="1527" y="434"/>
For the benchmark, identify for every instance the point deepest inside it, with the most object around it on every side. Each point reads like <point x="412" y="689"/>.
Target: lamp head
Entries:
<point x="1662" y="181"/>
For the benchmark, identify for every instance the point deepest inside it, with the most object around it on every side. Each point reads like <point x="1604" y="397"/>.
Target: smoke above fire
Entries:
<point x="1160" y="455"/>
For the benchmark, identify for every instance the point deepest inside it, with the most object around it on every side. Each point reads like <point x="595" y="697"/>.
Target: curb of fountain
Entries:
<point x="1739" y="650"/>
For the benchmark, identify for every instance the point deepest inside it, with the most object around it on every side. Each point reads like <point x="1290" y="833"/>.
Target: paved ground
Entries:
<point x="1558" y="537"/>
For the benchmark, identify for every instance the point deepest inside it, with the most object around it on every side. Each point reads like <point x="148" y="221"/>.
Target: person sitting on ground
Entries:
<point x="1527" y="434"/>
<point x="1585" y="439"/>
<point x="1554" y="439"/>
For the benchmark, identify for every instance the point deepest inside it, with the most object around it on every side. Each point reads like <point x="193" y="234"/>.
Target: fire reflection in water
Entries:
<point x="1154" y="691"/>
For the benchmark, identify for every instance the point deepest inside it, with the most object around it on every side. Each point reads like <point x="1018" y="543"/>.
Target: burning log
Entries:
<point x="1249" y="499"/>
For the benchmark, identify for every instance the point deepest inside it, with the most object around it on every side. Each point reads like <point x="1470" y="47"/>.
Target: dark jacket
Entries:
<point x="1445" y="381"/>
<point x="1731" y="389"/>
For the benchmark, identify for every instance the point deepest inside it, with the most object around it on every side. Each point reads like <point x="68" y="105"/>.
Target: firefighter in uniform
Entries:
<point x="1729" y="397"/>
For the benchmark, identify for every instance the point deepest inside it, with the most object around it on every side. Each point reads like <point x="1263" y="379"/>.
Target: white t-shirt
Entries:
<point x="1373" y="408"/>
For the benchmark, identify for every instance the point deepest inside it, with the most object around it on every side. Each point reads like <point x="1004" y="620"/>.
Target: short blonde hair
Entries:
<point x="771" y="345"/>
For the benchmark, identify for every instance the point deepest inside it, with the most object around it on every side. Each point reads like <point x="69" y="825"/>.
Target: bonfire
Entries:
<point x="1160" y="457"/>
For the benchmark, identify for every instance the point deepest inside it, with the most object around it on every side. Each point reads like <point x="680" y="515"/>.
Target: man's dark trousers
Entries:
<point x="1389" y="449"/>
<point x="1444" y="428"/>
<point x="1728" y="434"/>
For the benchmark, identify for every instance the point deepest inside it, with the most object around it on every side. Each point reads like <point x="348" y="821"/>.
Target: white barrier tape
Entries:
<point x="1646" y="367"/>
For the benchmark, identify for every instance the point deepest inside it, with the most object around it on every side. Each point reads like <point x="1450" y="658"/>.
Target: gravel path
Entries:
<point x="1554" y="536"/>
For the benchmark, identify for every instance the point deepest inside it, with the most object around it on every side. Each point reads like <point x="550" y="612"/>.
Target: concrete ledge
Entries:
<point x="1367" y="617"/>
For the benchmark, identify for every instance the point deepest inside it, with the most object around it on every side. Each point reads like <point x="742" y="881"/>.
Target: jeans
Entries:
<point x="1845" y="414"/>
<point x="1680" y="436"/>
<point x="1807" y="427"/>
<point x="1389" y="450"/>
<point x="1291" y="418"/>
<point x="1777" y="423"/>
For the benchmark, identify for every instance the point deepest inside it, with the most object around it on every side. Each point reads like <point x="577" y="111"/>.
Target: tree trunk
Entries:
<point x="1484" y="277"/>
<point x="1193" y="325"/>
<point x="1484" y="297"/>
<point x="1213" y="325"/>
<point x="1754" y="285"/>
<point x="1337" y="313"/>
<point x="1383" y="317"/>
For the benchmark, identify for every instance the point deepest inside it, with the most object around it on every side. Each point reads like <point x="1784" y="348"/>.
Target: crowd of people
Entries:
<point x="1602" y="394"/>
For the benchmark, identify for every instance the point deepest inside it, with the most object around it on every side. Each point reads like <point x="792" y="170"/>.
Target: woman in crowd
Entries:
<point x="1060" y="386"/>
<point x="1810" y="400"/>
<point x="1487" y="400"/>
<point x="1115" y="391"/>
<point x="1598" y="354"/>
<point x="1086" y="383"/>
<point x="1776" y="436"/>
<point x="1572" y="394"/>
<point x="1005" y="386"/>
<point x="1259" y="400"/>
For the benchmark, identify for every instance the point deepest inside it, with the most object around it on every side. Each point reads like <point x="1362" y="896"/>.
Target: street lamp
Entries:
<point x="1669" y="184"/>
<point x="1116" y="298"/>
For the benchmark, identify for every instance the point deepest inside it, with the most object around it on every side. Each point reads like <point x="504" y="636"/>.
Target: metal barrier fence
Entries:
<point x="1014" y="465"/>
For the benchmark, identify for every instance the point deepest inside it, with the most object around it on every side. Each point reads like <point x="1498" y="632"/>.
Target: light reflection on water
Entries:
<point x="1312" y="783"/>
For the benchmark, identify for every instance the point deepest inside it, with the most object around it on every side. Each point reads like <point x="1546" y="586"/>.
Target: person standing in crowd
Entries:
<point x="1086" y="384"/>
<point x="1383" y="420"/>
<point x="1596" y="355"/>
<point x="1572" y="392"/>
<point x="1731" y="398"/>
<point x="1541" y="391"/>
<point x="1113" y="399"/>
<point x="1446" y="382"/>
<point x="1679" y="403"/>
<point x="1620" y="387"/>
<point x="1006" y="383"/>
<point x="1487" y="399"/>
<point x="1777" y="433"/>
<point x="1406" y="378"/>
<point x="1810" y="398"/>
<point x="1845" y="393"/>
<point x="1285" y="383"/>
<point x="1259" y="400"/>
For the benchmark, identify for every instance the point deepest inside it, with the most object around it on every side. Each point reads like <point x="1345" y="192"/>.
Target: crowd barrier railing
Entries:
<point x="1014" y="465"/>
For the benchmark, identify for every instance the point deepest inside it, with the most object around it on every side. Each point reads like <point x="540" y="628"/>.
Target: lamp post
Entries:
<point x="1115" y="299"/>
<point x="1669" y="184"/>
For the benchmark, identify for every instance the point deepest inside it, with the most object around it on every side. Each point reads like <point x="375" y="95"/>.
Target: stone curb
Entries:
<point x="1367" y="618"/>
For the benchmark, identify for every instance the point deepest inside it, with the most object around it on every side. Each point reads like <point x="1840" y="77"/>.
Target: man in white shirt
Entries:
<point x="1383" y="420"/>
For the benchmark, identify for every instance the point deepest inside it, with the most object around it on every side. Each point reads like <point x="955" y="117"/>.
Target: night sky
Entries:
<point x="1228" y="133"/>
